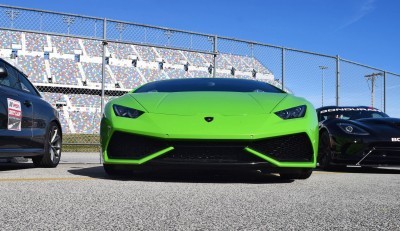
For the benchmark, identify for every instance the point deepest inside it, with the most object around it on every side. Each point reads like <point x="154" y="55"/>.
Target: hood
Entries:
<point x="223" y="103"/>
<point x="392" y="122"/>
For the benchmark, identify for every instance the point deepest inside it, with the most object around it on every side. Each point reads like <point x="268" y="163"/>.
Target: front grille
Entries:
<point x="210" y="151"/>
<point x="296" y="147"/>
<point x="130" y="146"/>
<point x="284" y="148"/>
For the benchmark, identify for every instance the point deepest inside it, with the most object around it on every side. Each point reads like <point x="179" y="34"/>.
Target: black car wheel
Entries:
<point x="325" y="152"/>
<point x="52" y="154"/>
<point x="300" y="174"/>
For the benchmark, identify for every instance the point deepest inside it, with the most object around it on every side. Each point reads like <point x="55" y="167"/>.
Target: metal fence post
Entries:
<point x="384" y="91"/>
<point x="215" y="50"/>
<point x="337" y="79"/>
<point x="283" y="69"/>
<point x="103" y="71"/>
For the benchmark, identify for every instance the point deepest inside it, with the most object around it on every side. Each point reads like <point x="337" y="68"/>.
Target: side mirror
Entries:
<point x="3" y="73"/>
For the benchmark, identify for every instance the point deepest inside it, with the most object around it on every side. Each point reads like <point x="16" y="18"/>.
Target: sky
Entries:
<point x="364" y="31"/>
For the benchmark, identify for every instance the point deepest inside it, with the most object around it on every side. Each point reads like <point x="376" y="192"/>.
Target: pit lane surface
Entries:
<point x="78" y="195"/>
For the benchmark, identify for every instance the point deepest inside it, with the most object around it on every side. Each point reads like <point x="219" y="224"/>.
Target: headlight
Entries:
<point x="352" y="129"/>
<point x="126" y="112"/>
<point x="292" y="113"/>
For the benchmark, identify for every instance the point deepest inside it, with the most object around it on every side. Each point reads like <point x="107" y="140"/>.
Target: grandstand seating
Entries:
<point x="127" y="76"/>
<point x="223" y="63"/>
<point x="85" y="122"/>
<point x="177" y="73"/>
<point x="120" y="50"/>
<point x="34" y="67"/>
<point x="64" y="71"/>
<point x="53" y="98"/>
<point x="152" y="74"/>
<point x="146" y="53"/>
<point x="237" y="62"/>
<point x="7" y="38"/>
<point x="200" y="73"/>
<point x="79" y="100"/>
<point x="196" y="59"/>
<point x="35" y="42"/>
<point x="171" y="56"/>
<point x="93" y="72"/>
<point x="93" y="48"/>
<point x="65" y="45"/>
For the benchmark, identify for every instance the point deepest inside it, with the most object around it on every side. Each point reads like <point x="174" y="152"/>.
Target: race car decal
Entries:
<point x="14" y="115"/>
<point x="395" y="139"/>
<point x="349" y="109"/>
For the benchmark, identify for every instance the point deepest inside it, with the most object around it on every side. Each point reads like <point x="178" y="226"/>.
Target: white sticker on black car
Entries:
<point x="395" y="139"/>
<point x="14" y="114"/>
<point x="349" y="109"/>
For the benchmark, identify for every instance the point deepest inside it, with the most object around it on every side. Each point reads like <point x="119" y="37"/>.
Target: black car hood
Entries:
<point x="392" y="122"/>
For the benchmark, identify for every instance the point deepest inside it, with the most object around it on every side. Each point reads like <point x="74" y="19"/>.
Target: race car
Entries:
<point x="360" y="136"/>
<point x="210" y="123"/>
<point x="29" y="126"/>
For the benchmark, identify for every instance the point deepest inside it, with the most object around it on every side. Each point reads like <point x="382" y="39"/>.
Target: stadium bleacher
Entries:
<point x="127" y="76"/>
<point x="93" y="48"/>
<point x="65" y="45"/>
<point x="146" y="53"/>
<point x="177" y="73"/>
<point x="34" y="67"/>
<point x="80" y="113"/>
<point x="93" y="73"/>
<point x="35" y="42"/>
<point x="7" y="38"/>
<point x="171" y="56"/>
<point x="120" y="51"/>
<point x="64" y="71"/>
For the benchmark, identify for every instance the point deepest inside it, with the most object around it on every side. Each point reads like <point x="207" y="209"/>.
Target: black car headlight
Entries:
<point x="126" y="112"/>
<point x="352" y="129"/>
<point x="292" y="113"/>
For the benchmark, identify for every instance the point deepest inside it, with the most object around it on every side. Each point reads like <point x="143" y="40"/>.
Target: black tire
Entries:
<point x="325" y="152"/>
<point x="300" y="174"/>
<point x="52" y="148"/>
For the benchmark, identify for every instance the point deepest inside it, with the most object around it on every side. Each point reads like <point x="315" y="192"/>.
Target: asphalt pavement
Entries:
<point x="78" y="195"/>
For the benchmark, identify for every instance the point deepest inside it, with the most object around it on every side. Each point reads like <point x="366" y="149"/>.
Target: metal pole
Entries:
<point x="283" y="69"/>
<point x="337" y="79"/>
<point x="103" y="76"/>
<point x="384" y="91"/>
<point x="215" y="50"/>
<point x="323" y="76"/>
<point x="103" y="71"/>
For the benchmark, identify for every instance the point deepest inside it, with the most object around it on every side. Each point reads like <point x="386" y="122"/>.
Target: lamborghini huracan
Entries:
<point x="357" y="135"/>
<point x="210" y="123"/>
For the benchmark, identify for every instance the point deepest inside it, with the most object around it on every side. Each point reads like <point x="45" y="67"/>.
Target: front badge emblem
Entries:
<point x="209" y="119"/>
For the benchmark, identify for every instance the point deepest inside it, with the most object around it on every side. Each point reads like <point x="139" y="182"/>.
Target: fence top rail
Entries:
<point x="363" y="65"/>
<point x="274" y="46"/>
<point x="50" y="12"/>
<point x="161" y="28"/>
<point x="53" y="34"/>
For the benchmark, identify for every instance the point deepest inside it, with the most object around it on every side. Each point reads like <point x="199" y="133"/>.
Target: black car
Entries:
<point x="29" y="126"/>
<point x="361" y="136"/>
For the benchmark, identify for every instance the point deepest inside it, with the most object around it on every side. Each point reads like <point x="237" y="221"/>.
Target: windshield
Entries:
<point x="208" y="84"/>
<point x="350" y="113"/>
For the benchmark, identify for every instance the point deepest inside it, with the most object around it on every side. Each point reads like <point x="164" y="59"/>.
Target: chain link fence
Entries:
<point x="79" y="63"/>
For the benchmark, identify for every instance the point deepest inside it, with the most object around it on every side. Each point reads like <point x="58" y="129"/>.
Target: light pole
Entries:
<point x="372" y="78"/>
<point x="323" y="68"/>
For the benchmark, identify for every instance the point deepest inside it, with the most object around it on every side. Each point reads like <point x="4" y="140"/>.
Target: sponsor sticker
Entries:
<point x="394" y="139"/>
<point x="14" y="114"/>
<point x="349" y="109"/>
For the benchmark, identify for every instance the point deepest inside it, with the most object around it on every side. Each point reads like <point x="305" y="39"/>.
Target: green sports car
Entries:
<point x="210" y="123"/>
